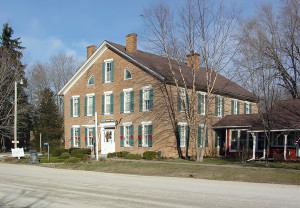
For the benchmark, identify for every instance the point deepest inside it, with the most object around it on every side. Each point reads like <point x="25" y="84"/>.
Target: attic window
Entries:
<point x="91" y="80"/>
<point x="127" y="74"/>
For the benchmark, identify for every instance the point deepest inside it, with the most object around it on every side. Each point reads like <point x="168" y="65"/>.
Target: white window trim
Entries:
<point x="74" y="130"/>
<point x="143" y="90"/>
<point x="147" y="87"/>
<point x="235" y="107"/>
<point x="247" y="104"/>
<point x="183" y="124"/>
<point x="220" y="103"/>
<point x="204" y="103"/>
<point x="125" y="74"/>
<point x="106" y="93"/>
<point x="146" y="122"/>
<point x="89" y="96"/>
<point x="184" y="100"/>
<point x="88" y="128"/>
<point x="88" y="83"/>
<point x="105" y="62"/>
<point x="73" y="103"/>
<point x="202" y="128"/>
<point x="124" y="130"/>
<point x="238" y="139"/>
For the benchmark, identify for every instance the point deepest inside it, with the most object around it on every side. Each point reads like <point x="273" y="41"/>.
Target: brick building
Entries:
<point x="123" y="86"/>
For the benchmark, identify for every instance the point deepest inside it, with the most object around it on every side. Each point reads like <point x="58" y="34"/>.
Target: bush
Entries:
<point x="72" y="149"/>
<point x="80" y="152"/>
<point x="133" y="156"/>
<point x="51" y="160"/>
<point x="110" y="155"/>
<point x="64" y="155"/>
<point x="150" y="155"/>
<point x="73" y="160"/>
<point x="122" y="154"/>
<point x="58" y="152"/>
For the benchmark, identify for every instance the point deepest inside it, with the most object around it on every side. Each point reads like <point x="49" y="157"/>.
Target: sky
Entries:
<point x="50" y="27"/>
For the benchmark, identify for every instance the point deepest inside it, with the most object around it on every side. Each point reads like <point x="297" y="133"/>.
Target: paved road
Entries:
<point x="32" y="186"/>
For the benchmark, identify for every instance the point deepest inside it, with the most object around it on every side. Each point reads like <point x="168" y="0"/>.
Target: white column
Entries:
<point x="265" y="147"/>
<point x="254" y="144"/>
<point x="15" y="121"/>
<point x="285" y="143"/>
<point x="96" y="132"/>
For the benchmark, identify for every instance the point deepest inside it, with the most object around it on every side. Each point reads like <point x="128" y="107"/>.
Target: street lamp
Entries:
<point x="16" y="108"/>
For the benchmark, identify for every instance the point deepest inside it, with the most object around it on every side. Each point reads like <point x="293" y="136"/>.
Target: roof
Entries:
<point x="284" y="116"/>
<point x="158" y="67"/>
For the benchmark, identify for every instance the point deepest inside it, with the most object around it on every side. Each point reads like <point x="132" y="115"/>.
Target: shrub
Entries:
<point x="110" y="155"/>
<point x="79" y="153"/>
<point x="58" y="152"/>
<point x="278" y="157"/>
<point x="72" y="149"/>
<point x="51" y="160"/>
<point x="133" y="156"/>
<point x="122" y="154"/>
<point x="73" y="160"/>
<point x="64" y="155"/>
<point x="150" y="155"/>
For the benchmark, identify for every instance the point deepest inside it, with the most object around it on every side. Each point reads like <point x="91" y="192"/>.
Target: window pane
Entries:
<point x="90" y="105"/>
<point x="243" y="140"/>
<point x="127" y="135"/>
<point x="75" y="107"/>
<point x="90" y="136"/>
<point x="126" y="101"/>
<point x="146" y="99"/>
<point x="145" y="135"/>
<point x="127" y="74"/>
<point x="108" y="72"/>
<point x="202" y="104"/>
<point x="107" y="104"/>
<point x="182" y="136"/>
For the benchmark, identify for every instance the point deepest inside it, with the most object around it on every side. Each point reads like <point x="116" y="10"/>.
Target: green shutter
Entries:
<point x="178" y="102"/>
<point x="94" y="105"/>
<point x="121" y="136"/>
<point x="199" y="135"/>
<point x="71" y="107"/>
<point x="79" y="140"/>
<point x="131" y="133"/>
<point x="244" y="108"/>
<point x="187" y="136"/>
<point x="232" y="107"/>
<point x="85" y="106"/>
<point x="140" y="135"/>
<point x="216" y="139"/>
<point x="85" y="137"/>
<point x="238" y="107"/>
<point x="223" y="107"/>
<point x="206" y="139"/>
<point x="122" y="102"/>
<point x="150" y="139"/>
<point x="72" y="137"/>
<point x="151" y="99"/>
<point x="199" y="103"/>
<point x="102" y="104"/>
<point x="78" y="107"/>
<point x="141" y="101"/>
<point x="112" y="71"/>
<point x="206" y="103"/>
<point x="216" y="105"/>
<point x="94" y="136"/>
<point x="131" y="101"/>
<point x="103" y="72"/>
<point x="250" y="108"/>
<point x="111" y="103"/>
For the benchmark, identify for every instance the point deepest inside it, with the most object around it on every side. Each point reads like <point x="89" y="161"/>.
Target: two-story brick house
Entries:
<point x="124" y="86"/>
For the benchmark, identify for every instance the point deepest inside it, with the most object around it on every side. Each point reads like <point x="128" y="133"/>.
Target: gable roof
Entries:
<point x="284" y="116"/>
<point x="158" y="67"/>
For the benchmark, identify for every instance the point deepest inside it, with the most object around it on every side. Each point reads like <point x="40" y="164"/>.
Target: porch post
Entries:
<point x="254" y="144"/>
<point x="265" y="147"/>
<point x="285" y="143"/>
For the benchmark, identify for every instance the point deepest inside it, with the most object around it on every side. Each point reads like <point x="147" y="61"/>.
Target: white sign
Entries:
<point x="18" y="152"/>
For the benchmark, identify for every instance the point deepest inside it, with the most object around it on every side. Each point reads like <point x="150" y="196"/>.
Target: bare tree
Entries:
<point x="202" y="26"/>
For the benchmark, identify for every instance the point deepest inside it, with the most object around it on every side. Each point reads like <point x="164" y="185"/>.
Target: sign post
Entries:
<point x="47" y="144"/>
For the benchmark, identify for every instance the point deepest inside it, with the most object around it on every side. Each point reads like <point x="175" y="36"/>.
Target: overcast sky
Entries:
<point x="48" y="27"/>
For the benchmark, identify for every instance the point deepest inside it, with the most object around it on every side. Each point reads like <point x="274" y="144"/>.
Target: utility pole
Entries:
<point x="96" y="132"/>
<point x="16" y="114"/>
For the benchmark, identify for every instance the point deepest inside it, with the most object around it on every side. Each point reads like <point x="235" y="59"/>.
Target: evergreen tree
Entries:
<point x="48" y="121"/>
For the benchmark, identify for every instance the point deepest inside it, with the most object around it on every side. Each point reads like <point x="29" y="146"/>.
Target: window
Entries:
<point x="75" y="106"/>
<point x="90" y="136"/>
<point x="127" y="101"/>
<point x="234" y="107"/>
<point x="127" y="74"/>
<point x="89" y="105"/>
<point x="201" y="135"/>
<point x="202" y="100"/>
<point x="181" y="99"/>
<point x="145" y="135"/>
<point x="237" y="140"/>
<point x="91" y="80"/>
<point x="183" y="134"/>
<point x="219" y="106"/>
<point x="146" y="99"/>
<point x="108" y="71"/>
<point x="246" y="108"/>
<point x="75" y="136"/>
<point x="127" y="137"/>
<point x="260" y="142"/>
<point x="107" y="103"/>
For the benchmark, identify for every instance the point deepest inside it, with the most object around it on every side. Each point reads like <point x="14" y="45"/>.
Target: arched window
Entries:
<point x="127" y="74"/>
<point x="91" y="80"/>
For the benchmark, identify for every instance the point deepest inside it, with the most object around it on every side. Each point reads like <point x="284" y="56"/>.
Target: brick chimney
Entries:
<point x="131" y="42"/>
<point x="193" y="60"/>
<point x="90" y="50"/>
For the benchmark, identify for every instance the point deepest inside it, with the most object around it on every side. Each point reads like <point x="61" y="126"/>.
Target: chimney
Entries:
<point x="131" y="42"/>
<point x="193" y="60"/>
<point x="90" y="50"/>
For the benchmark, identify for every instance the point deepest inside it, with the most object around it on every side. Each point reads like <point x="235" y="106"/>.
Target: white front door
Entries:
<point x="107" y="140"/>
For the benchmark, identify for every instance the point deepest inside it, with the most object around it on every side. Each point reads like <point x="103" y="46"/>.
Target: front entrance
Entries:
<point x="107" y="139"/>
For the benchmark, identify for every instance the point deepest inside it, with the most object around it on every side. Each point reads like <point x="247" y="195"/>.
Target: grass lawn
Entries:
<point x="212" y="169"/>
